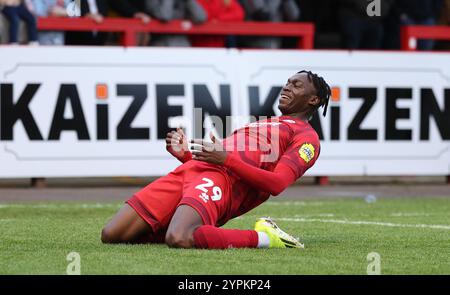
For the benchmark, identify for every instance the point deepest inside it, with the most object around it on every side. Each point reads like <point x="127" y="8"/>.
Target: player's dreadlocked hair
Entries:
<point x="323" y="90"/>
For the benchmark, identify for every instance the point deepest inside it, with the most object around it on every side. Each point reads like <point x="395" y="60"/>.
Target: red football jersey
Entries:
<point x="264" y="158"/>
<point x="264" y="144"/>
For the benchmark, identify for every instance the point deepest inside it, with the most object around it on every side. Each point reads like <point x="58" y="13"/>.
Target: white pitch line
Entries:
<point x="294" y="203"/>
<point x="410" y="214"/>
<point x="434" y="226"/>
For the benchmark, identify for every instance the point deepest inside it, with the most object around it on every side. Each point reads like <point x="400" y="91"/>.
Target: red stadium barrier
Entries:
<point x="129" y="27"/>
<point x="409" y="33"/>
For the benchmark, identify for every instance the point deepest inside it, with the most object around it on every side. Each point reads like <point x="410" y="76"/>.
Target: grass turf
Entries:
<point x="35" y="238"/>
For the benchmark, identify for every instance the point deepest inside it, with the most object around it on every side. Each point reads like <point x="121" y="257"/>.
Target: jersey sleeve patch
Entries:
<point x="306" y="152"/>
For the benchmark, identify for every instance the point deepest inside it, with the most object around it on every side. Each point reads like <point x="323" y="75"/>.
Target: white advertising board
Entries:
<point x="79" y="111"/>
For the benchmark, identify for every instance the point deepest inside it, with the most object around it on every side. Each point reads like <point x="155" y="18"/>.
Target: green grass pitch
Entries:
<point x="411" y="235"/>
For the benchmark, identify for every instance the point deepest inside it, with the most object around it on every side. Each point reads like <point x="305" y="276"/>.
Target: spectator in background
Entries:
<point x="444" y="20"/>
<point x="218" y="11"/>
<point x="268" y="11"/>
<point x="133" y="9"/>
<point x="14" y="11"/>
<point x="54" y="8"/>
<point x="444" y="16"/>
<point x="168" y="10"/>
<point x="419" y="12"/>
<point x="323" y="13"/>
<point x="95" y="10"/>
<point x="358" y="29"/>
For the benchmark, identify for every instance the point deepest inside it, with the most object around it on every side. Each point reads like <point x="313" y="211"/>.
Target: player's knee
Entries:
<point x="108" y="236"/>
<point x="179" y="240"/>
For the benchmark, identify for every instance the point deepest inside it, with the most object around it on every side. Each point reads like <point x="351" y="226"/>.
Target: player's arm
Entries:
<point x="177" y="145"/>
<point x="273" y="182"/>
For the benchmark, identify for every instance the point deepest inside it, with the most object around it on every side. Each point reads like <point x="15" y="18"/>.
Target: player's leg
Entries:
<point x="205" y="203"/>
<point x="125" y="227"/>
<point x="145" y="216"/>
<point x="186" y="230"/>
<point x="180" y="233"/>
<point x="206" y="199"/>
<point x="266" y="235"/>
<point x="211" y="237"/>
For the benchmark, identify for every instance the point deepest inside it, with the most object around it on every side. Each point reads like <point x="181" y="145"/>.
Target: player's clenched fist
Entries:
<point x="177" y="144"/>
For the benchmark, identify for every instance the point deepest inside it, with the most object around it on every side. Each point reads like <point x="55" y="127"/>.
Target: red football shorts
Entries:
<point x="202" y="186"/>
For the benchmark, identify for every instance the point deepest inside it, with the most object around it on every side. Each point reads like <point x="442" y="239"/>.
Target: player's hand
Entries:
<point x="177" y="144"/>
<point x="210" y="152"/>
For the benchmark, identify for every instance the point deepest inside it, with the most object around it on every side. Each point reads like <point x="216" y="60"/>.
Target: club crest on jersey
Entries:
<point x="306" y="152"/>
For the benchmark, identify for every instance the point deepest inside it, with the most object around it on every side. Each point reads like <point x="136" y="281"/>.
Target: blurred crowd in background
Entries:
<point x="341" y="24"/>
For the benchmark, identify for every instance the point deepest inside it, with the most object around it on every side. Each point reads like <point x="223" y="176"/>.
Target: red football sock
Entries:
<point x="211" y="237"/>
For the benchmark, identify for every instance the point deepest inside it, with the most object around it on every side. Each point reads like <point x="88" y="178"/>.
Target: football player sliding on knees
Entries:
<point x="220" y="180"/>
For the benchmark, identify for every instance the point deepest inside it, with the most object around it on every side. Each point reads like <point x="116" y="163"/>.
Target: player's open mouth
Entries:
<point x="284" y="98"/>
